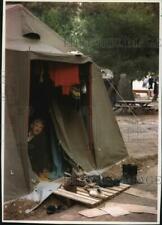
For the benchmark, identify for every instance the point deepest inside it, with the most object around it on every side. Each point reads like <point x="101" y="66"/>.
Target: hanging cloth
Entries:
<point x="65" y="75"/>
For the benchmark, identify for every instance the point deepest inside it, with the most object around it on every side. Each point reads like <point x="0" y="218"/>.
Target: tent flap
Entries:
<point x="17" y="166"/>
<point x="72" y="135"/>
<point x="108" y="142"/>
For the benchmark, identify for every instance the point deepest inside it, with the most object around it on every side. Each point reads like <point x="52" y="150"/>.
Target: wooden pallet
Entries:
<point x="83" y="196"/>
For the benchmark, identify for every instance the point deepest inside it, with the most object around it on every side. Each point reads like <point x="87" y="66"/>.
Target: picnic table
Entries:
<point x="132" y="104"/>
<point x="142" y="91"/>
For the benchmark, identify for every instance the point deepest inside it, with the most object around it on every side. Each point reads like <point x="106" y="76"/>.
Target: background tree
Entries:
<point x="120" y="36"/>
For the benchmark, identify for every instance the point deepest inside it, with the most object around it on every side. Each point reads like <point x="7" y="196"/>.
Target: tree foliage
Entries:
<point x="120" y="36"/>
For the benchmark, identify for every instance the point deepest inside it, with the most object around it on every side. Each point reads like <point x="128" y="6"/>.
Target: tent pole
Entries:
<point x="91" y="144"/>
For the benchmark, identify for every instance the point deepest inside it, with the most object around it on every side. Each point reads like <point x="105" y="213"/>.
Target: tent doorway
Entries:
<point x="58" y="112"/>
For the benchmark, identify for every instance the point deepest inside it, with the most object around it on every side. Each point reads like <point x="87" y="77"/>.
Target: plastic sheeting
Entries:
<point x="41" y="192"/>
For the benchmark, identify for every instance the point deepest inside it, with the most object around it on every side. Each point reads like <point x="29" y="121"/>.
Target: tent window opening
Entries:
<point x="32" y="35"/>
<point x="58" y="103"/>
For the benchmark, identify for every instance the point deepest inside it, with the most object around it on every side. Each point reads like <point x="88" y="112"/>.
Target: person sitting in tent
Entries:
<point x="37" y="147"/>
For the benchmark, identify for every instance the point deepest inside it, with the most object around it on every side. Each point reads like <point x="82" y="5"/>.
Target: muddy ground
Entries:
<point x="140" y="134"/>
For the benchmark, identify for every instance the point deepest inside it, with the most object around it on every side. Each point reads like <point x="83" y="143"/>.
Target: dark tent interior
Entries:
<point x="67" y="86"/>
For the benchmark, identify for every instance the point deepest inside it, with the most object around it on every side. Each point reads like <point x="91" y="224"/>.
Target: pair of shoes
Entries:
<point x="129" y="173"/>
<point x="104" y="181"/>
<point x="109" y="182"/>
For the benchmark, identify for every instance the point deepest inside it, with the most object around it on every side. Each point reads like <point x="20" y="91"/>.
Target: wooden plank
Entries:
<point x="108" y="190"/>
<point x="124" y="185"/>
<point x="115" y="211"/>
<point x="131" y="207"/>
<point x="91" y="198"/>
<point x="83" y="195"/>
<point x="76" y="197"/>
<point x="104" y="190"/>
<point x="92" y="212"/>
<point x="107" y="193"/>
<point x="75" y="194"/>
<point x="119" y="188"/>
<point x="87" y="195"/>
<point x="82" y="189"/>
<point x="141" y="193"/>
<point x="116" y="189"/>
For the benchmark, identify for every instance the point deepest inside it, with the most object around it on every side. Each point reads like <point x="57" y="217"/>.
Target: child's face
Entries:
<point x="37" y="127"/>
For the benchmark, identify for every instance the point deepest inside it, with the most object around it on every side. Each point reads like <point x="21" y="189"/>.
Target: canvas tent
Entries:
<point x="101" y="146"/>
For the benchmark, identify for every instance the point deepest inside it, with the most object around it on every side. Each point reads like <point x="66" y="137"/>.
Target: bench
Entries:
<point x="149" y="92"/>
<point x="131" y="104"/>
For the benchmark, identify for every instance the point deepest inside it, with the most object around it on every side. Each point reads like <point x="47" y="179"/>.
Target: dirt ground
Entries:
<point x="140" y="134"/>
